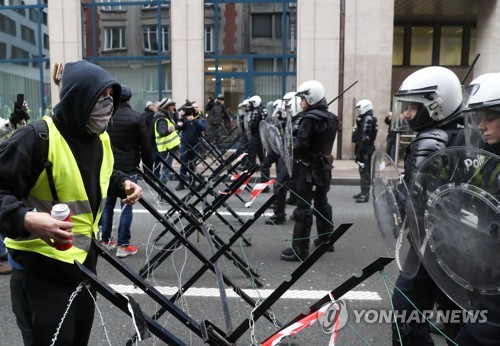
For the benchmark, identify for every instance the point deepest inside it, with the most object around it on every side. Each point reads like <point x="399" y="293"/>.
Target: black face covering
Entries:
<point x="98" y="119"/>
<point x="421" y="119"/>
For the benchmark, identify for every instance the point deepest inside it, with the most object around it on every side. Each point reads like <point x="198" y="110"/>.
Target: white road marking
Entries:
<point x="223" y="213"/>
<point x="262" y="293"/>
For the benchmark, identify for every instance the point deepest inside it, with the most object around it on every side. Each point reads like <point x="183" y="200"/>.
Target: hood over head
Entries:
<point x="82" y="84"/>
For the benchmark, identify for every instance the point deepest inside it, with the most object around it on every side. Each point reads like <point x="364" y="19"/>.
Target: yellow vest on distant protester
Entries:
<point x="168" y="142"/>
<point x="70" y="190"/>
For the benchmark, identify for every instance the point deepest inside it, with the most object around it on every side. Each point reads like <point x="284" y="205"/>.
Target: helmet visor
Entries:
<point x="402" y="113"/>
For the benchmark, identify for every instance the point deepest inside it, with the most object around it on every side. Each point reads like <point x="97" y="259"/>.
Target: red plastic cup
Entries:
<point x="61" y="212"/>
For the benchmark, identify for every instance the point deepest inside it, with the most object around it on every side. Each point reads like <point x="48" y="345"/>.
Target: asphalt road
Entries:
<point x="360" y="246"/>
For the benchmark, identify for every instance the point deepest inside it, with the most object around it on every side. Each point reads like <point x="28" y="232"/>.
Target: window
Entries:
<point x="151" y="38"/>
<point x="398" y="45"/>
<point x="262" y="25"/>
<point x="450" y="52"/>
<point x="28" y="34"/>
<point x="114" y="38"/>
<point x="209" y="39"/>
<point x="433" y="44"/>
<point x="154" y="4"/>
<point x="45" y="41"/>
<point x="421" y="45"/>
<point x="18" y="53"/>
<point x="3" y="50"/>
<point x="7" y="25"/>
<point x="33" y="15"/>
<point x="277" y="26"/>
<point x="111" y="8"/>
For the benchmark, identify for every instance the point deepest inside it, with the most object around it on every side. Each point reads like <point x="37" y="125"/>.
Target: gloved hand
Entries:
<point x="19" y="115"/>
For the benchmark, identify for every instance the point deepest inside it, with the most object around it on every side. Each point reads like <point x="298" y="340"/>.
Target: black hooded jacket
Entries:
<point x="129" y="139"/>
<point x="82" y="84"/>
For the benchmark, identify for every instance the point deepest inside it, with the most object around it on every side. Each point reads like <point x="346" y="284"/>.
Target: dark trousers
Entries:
<point x="283" y="183"/>
<point x="365" y="173"/>
<point x="39" y="305"/>
<point x="255" y="150"/>
<point x="423" y="292"/>
<point x="311" y="186"/>
<point x="265" y="168"/>
<point x="188" y="159"/>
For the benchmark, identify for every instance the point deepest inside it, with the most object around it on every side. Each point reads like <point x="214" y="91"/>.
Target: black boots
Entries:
<point x="363" y="198"/>
<point x="356" y="196"/>
<point x="180" y="187"/>
<point x="295" y="255"/>
<point x="317" y="242"/>
<point x="276" y="219"/>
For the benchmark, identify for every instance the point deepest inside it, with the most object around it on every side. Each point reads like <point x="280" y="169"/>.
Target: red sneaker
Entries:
<point x="126" y="250"/>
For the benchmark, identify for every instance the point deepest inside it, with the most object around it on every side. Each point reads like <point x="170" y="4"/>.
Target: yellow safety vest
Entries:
<point x="168" y="142"/>
<point x="70" y="190"/>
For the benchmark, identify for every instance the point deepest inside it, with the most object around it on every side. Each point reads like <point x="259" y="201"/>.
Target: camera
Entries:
<point x="189" y="110"/>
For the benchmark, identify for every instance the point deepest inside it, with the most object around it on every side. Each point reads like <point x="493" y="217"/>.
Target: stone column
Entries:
<point x="65" y="35"/>
<point x="187" y="28"/>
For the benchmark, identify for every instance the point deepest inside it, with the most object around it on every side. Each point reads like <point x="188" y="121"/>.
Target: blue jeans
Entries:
<point x="3" y="249"/>
<point x="125" y="218"/>
<point x="165" y="170"/>
<point x="188" y="158"/>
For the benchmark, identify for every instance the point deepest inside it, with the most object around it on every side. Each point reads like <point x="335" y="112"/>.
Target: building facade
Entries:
<point x="193" y="49"/>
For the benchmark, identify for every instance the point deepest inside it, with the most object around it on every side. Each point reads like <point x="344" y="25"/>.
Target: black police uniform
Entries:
<point x="312" y="149"/>
<point x="421" y="290"/>
<point x="364" y="137"/>
<point x="254" y="146"/>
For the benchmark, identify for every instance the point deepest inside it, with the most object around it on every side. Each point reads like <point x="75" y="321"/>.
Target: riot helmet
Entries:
<point x="469" y="90"/>
<point x="312" y="91"/>
<point x="255" y="101"/>
<point x="288" y="96"/>
<point x="427" y="96"/>
<point x="483" y="108"/>
<point x="364" y="106"/>
<point x="292" y="106"/>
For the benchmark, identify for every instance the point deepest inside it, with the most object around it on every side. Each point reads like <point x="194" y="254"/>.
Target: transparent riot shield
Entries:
<point x="288" y="145"/>
<point x="457" y="232"/>
<point x="275" y="139"/>
<point x="393" y="209"/>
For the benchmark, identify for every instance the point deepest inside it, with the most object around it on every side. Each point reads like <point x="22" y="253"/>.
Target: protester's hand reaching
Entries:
<point x="134" y="192"/>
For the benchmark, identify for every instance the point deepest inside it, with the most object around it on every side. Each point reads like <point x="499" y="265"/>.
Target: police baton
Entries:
<point x="342" y="93"/>
<point x="470" y="68"/>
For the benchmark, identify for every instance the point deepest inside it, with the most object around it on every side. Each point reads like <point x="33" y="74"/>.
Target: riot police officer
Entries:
<point x="429" y="102"/>
<point x="483" y="109"/>
<point x="312" y="147"/>
<point x="257" y="114"/>
<point x="364" y="137"/>
<point x="290" y="107"/>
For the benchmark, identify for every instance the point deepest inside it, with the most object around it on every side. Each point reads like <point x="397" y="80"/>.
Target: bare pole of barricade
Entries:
<point x="195" y="219"/>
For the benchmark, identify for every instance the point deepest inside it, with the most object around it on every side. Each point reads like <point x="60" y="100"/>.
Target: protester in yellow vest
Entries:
<point x="78" y="171"/>
<point x="166" y="137"/>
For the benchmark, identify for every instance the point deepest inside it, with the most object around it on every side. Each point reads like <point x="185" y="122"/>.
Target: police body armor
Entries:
<point x="321" y="149"/>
